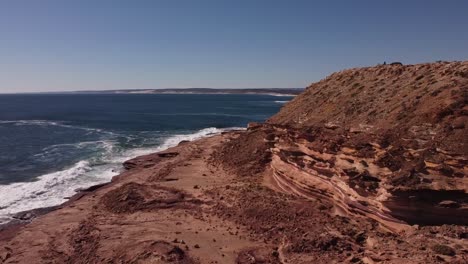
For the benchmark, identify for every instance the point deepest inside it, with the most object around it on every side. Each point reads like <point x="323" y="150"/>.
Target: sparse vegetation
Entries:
<point x="443" y="250"/>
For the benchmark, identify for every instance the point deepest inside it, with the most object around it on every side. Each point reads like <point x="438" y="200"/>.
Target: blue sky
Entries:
<point x="80" y="45"/>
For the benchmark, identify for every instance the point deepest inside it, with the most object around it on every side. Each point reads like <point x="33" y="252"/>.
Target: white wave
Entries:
<point x="52" y="151"/>
<point x="172" y="141"/>
<point x="50" y="123"/>
<point x="281" y="95"/>
<point x="281" y="102"/>
<point x="53" y="188"/>
<point x="29" y="122"/>
<point x="82" y="144"/>
<point x="49" y="189"/>
<point x="196" y="114"/>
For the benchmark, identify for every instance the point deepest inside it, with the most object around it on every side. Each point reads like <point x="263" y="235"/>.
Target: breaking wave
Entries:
<point x="54" y="188"/>
<point x="49" y="123"/>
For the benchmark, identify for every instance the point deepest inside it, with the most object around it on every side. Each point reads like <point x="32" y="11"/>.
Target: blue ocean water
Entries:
<point x="53" y="144"/>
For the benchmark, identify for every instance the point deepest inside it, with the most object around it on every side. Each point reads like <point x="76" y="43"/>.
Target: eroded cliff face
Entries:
<point x="319" y="195"/>
<point x="361" y="177"/>
<point x="386" y="142"/>
<point x="389" y="142"/>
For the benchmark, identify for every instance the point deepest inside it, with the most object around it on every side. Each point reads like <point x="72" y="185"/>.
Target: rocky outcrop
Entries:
<point x="388" y="142"/>
<point x="359" y="176"/>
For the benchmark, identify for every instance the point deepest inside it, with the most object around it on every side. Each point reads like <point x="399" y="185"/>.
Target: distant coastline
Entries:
<point x="264" y="91"/>
<point x="258" y="91"/>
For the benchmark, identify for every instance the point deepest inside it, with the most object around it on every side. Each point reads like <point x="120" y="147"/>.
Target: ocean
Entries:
<point x="51" y="145"/>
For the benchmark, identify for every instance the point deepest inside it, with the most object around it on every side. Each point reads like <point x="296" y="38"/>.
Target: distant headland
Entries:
<point x="266" y="91"/>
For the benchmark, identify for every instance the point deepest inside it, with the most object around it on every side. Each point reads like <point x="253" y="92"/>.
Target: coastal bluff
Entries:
<point x="368" y="165"/>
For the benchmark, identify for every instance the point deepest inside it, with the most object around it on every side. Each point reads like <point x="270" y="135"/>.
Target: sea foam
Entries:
<point x="50" y="123"/>
<point x="54" y="188"/>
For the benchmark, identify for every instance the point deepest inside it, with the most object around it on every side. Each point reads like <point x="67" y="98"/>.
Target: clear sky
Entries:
<point x="91" y="44"/>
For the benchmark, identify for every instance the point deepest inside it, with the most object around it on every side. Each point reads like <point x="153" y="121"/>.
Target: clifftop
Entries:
<point x="385" y="97"/>
<point x="384" y="144"/>
<point x="391" y="138"/>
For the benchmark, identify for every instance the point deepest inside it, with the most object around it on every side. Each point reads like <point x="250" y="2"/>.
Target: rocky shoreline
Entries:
<point x="328" y="179"/>
<point x="189" y="204"/>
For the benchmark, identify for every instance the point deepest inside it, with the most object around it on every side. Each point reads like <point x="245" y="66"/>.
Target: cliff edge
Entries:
<point x="401" y="129"/>
<point x="396" y="134"/>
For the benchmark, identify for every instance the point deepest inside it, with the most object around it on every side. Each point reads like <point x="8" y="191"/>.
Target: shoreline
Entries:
<point x="23" y="218"/>
<point x="171" y="141"/>
<point x="183" y="199"/>
<point x="79" y="203"/>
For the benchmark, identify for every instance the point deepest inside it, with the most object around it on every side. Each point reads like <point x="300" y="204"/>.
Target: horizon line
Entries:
<point x="147" y="89"/>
